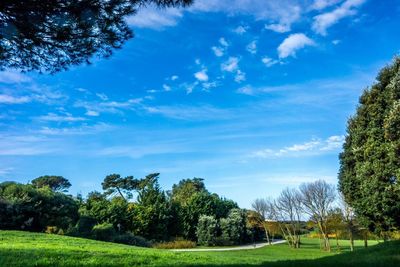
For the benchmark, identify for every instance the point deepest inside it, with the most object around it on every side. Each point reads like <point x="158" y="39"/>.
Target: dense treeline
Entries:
<point x="116" y="215"/>
<point x="370" y="161"/>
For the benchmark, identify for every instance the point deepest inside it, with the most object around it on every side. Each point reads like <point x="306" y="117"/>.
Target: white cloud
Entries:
<point x="269" y="62"/>
<point x="336" y="42"/>
<point x="60" y="118"/>
<point x="11" y="77"/>
<point x="321" y="4"/>
<point x="293" y="43"/>
<point x="283" y="11"/>
<point x="92" y="113"/>
<point x="201" y="75"/>
<point x="102" y="96"/>
<point x="281" y="28"/>
<point x="310" y="148"/>
<point x="240" y="30"/>
<point x="246" y="90"/>
<point x="240" y="76"/>
<point x="231" y="64"/>
<point x="323" y="21"/>
<point x="252" y="47"/>
<point x="181" y="112"/>
<point x="223" y="42"/>
<point x="218" y="51"/>
<point x="155" y="18"/>
<point x="166" y="87"/>
<point x="9" y="99"/>
<point x="174" y="77"/>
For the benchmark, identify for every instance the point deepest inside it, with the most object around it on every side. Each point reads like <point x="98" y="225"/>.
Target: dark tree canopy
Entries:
<point x="114" y="183"/>
<point x="55" y="183"/>
<point x="370" y="162"/>
<point x="52" y="35"/>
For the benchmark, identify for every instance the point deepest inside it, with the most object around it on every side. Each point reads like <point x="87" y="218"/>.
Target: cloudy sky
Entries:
<point x="252" y="95"/>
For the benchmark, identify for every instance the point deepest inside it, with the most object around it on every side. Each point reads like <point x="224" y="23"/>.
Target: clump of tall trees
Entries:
<point x="129" y="210"/>
<point x="370" y="162"/>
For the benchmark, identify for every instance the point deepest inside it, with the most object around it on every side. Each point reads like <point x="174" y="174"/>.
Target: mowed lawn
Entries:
<point x="34" y="249"/>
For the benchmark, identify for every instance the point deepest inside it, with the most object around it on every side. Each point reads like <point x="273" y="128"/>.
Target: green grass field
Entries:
<point x="35" y="249"/>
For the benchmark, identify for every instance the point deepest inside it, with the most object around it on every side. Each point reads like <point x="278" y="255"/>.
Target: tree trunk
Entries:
<point x="351" y="240"/>
<point x="267" y="234"/>
<point x="337" y="240"/>
<point x="365" y="239"/>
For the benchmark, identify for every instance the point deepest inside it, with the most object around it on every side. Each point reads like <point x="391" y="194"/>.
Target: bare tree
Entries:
<point x="288" y="205"/>
<point x="263" y="208"/>
<point x="349" y="219"/>
<point x="317" y="199"/>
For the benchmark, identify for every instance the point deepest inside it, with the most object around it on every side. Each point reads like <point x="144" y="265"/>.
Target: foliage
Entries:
<point x="370" y="161"/>
<point x="104" y="232"/>
<point x="233" y="227"/>
<point x="207" y="230"/>
<point x="131" y="239"/>
<point x="151" y="212"/>
<point x="176" y="244"/>
<point x="51" y="35"/>
<point x="25" y="207"/>
<point x="55" y="183"/>
<point x="114" y="183"/>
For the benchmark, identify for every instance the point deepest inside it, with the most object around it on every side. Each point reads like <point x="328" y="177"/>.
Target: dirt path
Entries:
<point x="259" y="245"/>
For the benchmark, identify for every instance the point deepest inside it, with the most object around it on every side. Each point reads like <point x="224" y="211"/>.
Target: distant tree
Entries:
<point x="206" y="230"/>
<point x="289" y="206"/>
<point x="186" y="188"/>
<point x="28" y="208"/>
<point x="349" y="220"/>
<point x="370" y="162"/>
<point x="55" y="183"/>
<point x="114" y="183"/>
<point x="52" y="35"/>
<point x="317" y="199"/>
<point x="151" y="213"/>
<point x="233" y="227"/>
<point x="263" y="208"/>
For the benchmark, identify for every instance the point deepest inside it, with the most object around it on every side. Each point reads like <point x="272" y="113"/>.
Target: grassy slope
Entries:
<point x="33" y="249"/>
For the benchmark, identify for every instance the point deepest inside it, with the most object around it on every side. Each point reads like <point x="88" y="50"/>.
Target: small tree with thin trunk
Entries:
<point x="263" y="208"/>
<point x="317" y="199"/>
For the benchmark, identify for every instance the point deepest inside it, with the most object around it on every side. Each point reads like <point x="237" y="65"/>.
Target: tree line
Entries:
<point x="128" y="210"/>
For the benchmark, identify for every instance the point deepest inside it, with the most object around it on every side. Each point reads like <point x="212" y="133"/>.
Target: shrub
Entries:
<point x="207" y="230"/>
<point x="104" y="232"/>
<point x="177" y="244"/>
<point x="51" y="230"/>
<point x="131" y="239"/>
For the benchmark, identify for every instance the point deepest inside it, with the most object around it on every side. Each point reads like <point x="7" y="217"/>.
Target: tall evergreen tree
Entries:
<point x="370" y="162"/>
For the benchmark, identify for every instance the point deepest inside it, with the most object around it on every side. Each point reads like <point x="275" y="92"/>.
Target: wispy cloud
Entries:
<point x="323" y="21"/>
<point x="269" y="62"/>
<point x="293" y="43"/>
<point x="11" y="77"/>
<point x="60" y="118"/>
<point x="155" y="18"/>
<point x="252" y="47"/>
<point x="313" y="147"/>
<point x="9" y="99"/>
<point x="219" y="51"/>
<point x="201" y="75"/>
<point x="240" y="30"/>
<point x="231" y="65"/>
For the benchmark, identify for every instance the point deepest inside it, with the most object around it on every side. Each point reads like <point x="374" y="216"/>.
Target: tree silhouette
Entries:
<point x="52" y="35"/>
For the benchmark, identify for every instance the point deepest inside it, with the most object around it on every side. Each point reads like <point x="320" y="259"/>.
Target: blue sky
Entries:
<point x="253" y="96"/>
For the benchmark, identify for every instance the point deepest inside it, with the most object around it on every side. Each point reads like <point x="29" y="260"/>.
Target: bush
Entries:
<point x="104" y="232"/>
<point x="177" y="244"/>
<point x="207" y="230"/>
<point x="131" y="239"/>
<point x="51" y="230"/>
